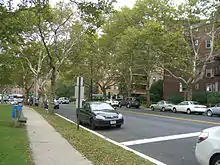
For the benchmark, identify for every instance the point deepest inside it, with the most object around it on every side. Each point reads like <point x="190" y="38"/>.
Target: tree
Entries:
<point x="195" y="15"/>
<point x="94" y="14"/>
<point x="60" y="33"/>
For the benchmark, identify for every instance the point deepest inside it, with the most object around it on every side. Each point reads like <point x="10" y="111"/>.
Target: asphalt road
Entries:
<point x="143" y="124"/>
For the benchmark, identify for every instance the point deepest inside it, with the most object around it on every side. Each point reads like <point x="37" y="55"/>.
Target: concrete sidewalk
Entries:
<point x="47" y="145"/>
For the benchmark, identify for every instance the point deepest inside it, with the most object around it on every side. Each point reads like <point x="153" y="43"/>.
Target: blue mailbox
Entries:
<point x="17" y="108"/>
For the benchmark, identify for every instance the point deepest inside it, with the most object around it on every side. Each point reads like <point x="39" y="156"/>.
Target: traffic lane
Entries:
<point x="68" y="111"/>
<point x="173" y="152"/>
<point x="170" y="113"/>
<point x="139" y="126"/>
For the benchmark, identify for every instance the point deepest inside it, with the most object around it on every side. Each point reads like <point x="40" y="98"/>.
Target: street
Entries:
<point x="165" y="136"/>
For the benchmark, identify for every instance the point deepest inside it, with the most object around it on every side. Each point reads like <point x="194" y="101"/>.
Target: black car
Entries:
<point x="130" y="102"/>
<point x="99" y="114"/>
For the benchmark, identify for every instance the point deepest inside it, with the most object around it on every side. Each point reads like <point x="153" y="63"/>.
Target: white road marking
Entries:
<point x="159" y="139"/>
<point x="157" y="162"/>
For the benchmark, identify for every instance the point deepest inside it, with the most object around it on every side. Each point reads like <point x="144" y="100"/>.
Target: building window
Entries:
<point x="209" y="73"/>
<point x="208" y="44"/>
<point x="209" y="87"/>
<point x="197" y="86"/>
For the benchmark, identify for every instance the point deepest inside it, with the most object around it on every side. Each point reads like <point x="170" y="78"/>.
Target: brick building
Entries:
<point x="211" y="79"/>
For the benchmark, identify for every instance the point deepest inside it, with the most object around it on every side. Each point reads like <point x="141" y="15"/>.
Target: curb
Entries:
<point x="116" y="143"/>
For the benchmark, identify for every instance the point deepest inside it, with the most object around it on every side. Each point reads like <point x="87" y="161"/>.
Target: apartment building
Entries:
<point x="211" y="79"/>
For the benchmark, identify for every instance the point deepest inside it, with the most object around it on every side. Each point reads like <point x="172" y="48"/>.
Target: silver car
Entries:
<point x="213" y="110"/>
<point x="162" y="105"/>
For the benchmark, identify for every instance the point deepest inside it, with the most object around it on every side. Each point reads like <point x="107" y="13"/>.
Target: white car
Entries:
<point x="208" y="147"/>
<point x="63" y="100"/>
<point x="189" y="107"/>
<point x="112" y="102"/>
<point x="162" y="106"/>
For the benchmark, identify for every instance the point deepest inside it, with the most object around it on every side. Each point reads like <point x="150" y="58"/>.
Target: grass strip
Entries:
<point x="14" y="143"/>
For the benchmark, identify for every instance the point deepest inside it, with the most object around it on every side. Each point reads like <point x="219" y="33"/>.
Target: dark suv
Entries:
<point x="130" y="102"/>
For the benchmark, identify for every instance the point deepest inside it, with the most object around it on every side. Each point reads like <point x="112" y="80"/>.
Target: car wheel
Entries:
<point x="163" y="109"/>
<point x="92" y="124"/>
<point x="128" y="106"/>
<point x="188" y="111"/>
<point x="174" y="110"/>
<point x="118" y="126"/>
<point x="138" y="107"/>
<point x="152" y="108"/>
<point x="215" y="160"/>
<point x="209" y="113"/>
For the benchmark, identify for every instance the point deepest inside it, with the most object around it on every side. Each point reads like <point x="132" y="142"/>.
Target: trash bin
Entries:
<point x="17" y="108"/>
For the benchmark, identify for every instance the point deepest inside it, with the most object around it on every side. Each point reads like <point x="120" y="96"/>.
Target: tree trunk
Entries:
<point x="104" y="93"/>
<point x="26" y="96"/>
<point x="188" y="94"/>
<point x="52" y="93"/>
<point x="41" y="100"/>
<point x="148" y="93"/>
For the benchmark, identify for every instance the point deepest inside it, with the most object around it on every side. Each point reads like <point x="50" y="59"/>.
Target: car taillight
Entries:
<point x="203" y="136"/>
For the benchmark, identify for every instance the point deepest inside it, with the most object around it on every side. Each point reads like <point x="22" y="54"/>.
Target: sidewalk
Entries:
<point x="48" y="146"/>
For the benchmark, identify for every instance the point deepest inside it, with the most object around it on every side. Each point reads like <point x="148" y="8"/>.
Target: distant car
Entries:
<point x="56" y="104"/>
<point x="63" y="100"/>
<point x="189" y="107"/>
<point x="112" y="102"/>
<point x="208" y="147"/>
<point x="98" y="114"/>
<point x="162" y="105"/>
<point x="213" y="110"/>
<point x="130" y="102"/>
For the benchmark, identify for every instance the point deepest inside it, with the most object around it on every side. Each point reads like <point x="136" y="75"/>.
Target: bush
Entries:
<point x="200" y="97"/>
<point x="175" y="98"/>
<point x="154" y="97"/>
<point x="156" y="91"/>
<point x="213" y="98"/>
<point x="142" y="99"/>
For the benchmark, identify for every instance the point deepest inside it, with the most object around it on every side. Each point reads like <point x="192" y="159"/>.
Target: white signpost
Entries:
<point x="79" y="96"/>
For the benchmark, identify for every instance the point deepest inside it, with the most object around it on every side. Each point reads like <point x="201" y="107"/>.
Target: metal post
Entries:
<point x="91" y="91"/>
<point x="79" y="92"/>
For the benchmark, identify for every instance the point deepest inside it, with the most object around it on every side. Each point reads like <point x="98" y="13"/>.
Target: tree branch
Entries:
<point x="173" y="75"/>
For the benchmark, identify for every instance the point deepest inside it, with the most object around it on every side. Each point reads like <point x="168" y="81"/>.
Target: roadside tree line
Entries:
<point x="41" y="44"/>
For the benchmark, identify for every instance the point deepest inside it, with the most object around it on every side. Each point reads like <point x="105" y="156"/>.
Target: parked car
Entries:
<point x="208" y="147"/>
<point x="112" y="102"/>
<point x="99" y="114"/>
<point x="189" y="107"/>
<point x="63" y="100"/>
<point x="56" y="104"/>
<point x="213" y="110"/>
<point x="130" y="102"/>
<point x="162" y="105"/>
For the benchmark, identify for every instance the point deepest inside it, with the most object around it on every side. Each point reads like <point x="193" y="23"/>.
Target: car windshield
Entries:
<point x="101" y="106"/>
